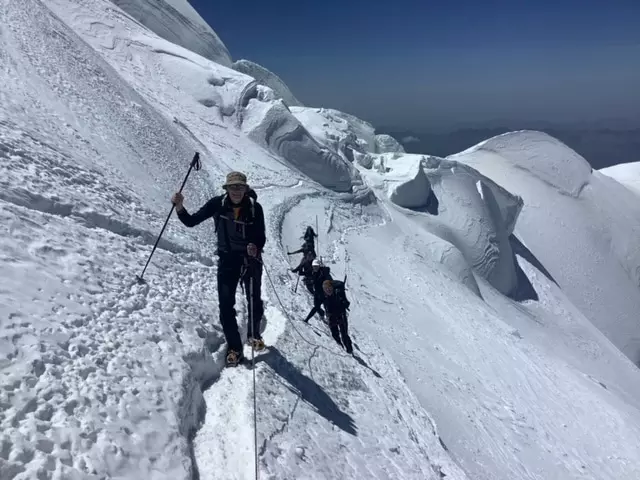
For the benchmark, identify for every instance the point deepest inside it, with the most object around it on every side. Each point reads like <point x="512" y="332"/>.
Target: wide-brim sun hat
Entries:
<point x="235" y="178"/>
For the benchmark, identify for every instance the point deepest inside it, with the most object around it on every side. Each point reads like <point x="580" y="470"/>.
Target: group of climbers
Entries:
<point x="326" y="291"/>
<point x="241" y="236"/>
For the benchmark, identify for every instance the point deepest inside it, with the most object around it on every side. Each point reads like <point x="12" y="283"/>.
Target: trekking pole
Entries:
<point x="195" y="164"/>
<point x="296" y="287"/>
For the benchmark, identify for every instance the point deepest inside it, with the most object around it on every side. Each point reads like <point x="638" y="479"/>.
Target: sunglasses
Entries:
<point x="236" y="188"/>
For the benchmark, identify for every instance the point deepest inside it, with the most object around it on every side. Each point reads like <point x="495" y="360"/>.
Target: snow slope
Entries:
<point x="102" y="377"/>
<point x="565" y="203"/>
<point x="178" y="22"/>
<point x="627" y="174"/>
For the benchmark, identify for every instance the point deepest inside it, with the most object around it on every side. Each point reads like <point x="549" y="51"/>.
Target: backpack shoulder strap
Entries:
<point x="216" y="217"/>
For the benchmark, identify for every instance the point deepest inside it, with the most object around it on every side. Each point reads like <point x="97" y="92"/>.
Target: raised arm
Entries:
<point x="207" y="211"/>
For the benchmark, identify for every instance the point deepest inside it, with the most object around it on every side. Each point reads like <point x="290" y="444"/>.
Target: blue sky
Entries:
<point x="421" y="63"/>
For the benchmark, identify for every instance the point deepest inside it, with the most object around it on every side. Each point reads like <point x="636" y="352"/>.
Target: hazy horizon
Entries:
<point x="415" y="64"/>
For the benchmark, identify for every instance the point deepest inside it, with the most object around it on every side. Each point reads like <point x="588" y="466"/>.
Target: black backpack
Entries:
<point x="340" y="291"/>
<point x="252" y="201"/>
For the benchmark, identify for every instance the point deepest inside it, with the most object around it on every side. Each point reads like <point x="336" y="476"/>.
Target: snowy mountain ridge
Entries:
<point x="480" y="284"/>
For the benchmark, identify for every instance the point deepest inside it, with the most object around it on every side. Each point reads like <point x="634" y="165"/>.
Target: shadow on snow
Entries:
<point x="308" y="390"/>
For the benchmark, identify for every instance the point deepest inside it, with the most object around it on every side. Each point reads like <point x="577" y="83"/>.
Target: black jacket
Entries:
<point x="233" y="234"/>
<point x="323" y="273"/>
<point x="304" y="268"/>
<point x="337" y="303"/>
<point x="307" y="247"/>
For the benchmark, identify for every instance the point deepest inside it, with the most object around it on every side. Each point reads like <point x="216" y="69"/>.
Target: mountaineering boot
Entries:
<point x="256" y="343"/>
<point x="234" y="358"/>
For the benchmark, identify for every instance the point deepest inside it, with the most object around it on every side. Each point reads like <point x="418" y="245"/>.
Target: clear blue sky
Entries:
<point x="418" y="62"/>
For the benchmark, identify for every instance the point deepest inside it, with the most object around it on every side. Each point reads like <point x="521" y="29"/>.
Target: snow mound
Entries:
<point x="387" y="144"/>
<point x="178" y="22"/>
<point x="628" y="174"/>
<point x="593" y="214"/>
<point x="459" y="205"/>
<point x="543" y="156"/>
<point x="268" y="79"/>
<point x="338" y="131"/>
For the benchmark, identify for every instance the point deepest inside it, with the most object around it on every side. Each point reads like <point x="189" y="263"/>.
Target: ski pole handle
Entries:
<point x="195" y="164"/>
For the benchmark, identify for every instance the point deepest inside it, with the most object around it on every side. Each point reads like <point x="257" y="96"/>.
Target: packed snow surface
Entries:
<point x="178" y="22"/>
<point x="103" y="377"/>
<point x="627" y="174"/>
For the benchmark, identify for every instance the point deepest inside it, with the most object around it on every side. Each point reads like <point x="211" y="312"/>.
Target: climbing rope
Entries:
<point x="253" y="360"/>
<point x="253" y="369"/>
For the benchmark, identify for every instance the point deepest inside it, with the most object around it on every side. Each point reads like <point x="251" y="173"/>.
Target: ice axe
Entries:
<point x="195" y="165"/>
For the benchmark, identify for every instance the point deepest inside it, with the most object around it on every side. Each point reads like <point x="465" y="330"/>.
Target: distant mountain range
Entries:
<point x="600" y="146"/>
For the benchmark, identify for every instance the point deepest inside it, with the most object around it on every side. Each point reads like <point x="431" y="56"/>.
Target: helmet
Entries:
<point x="316" y="263"/>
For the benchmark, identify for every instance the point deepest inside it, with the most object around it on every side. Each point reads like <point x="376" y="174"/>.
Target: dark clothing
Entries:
<point x="336" y="306"/>
<point x="234" y="233"/>
<point x="308" y="282"/>
<point x="337" y="303"/>
<point x="317" y="277"/>
<point x="230" y="270"/>
<point x="307" y="247"/>
<point x="306" y="270"/>
<point x="339" y="327"/>
<point x="236" y="227"/>
<point x="317" y="307"/>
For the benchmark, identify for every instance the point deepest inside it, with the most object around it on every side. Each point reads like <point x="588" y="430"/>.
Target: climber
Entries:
<point x="305" y="269"/>
<point x="240" y="228"/>
<point x="319" y="274"/>
<point x="336" y="304"/>
<point x="308" y="245"/>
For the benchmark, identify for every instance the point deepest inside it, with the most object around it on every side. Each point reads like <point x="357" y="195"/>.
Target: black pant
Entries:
<point x="339" y="326"/>
<point x="308" y="282"/>
<point x="230" y="269"/>
<point x="317" y="307"/>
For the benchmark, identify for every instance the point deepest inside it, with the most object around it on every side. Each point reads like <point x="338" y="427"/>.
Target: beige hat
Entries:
<point x="235" y="178"/>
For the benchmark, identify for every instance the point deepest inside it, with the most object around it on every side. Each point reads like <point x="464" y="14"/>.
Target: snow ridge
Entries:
<point x="178" y="22"/>
<point x="267" y="78"/>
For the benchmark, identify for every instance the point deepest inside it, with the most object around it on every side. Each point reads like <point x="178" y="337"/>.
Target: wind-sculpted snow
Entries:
<point x="178" y="22"/>
<point x="459" y="205"/>
<point x="387" y="144"/>
<point x="628" y="174"/>
<point x="542" y="156"/>
<point x="272" y="125"/>
<point x="268" y="79"/>
<point x="211" y="85"/>
<point x="583" y="226"/>
<point x="337" y="130"/>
